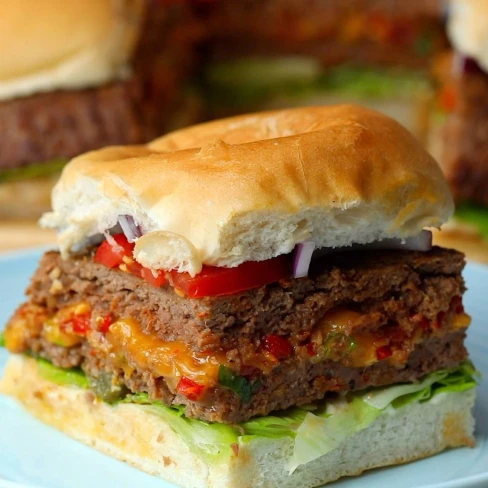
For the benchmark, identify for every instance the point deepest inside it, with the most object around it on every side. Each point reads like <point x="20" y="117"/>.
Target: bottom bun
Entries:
<point x="132" y="434"/>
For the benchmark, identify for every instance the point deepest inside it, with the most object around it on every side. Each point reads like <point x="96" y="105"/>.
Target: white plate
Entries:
<point x="34" y="455"/>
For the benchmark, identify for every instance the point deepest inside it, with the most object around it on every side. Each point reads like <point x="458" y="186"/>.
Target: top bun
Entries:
<point x="468" y="29"/>
<point x="252" y="187"/>
<point x="48" y="45"/>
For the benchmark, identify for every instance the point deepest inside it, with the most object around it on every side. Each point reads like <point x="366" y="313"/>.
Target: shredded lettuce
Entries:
<point x="475" y="215"/>
<point x="315" y="430"/>
<point x="273" y="426"/>
<point x="321" y="433"/>
<point x="212" y="442"/>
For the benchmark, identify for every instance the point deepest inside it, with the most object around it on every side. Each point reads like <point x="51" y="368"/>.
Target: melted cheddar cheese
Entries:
<point x="169" y="359"/>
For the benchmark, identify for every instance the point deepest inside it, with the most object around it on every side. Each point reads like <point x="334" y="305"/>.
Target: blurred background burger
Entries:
<point x="104" y="72"/>
<point x="90" y="74"/>
<point x="276" y="53"/>
<point x="463" y="96"/>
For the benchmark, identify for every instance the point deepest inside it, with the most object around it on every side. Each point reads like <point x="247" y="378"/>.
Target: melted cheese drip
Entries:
<point x="343" y="321"/>
<point x="364" y="353"/>
<point x="169" y="359"/>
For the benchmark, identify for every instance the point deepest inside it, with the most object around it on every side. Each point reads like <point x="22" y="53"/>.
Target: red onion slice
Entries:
<point x="131" y="230"/>
<point x="302" y="258"/>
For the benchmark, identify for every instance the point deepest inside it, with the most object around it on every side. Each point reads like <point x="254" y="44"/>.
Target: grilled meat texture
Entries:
<point x="384" y="286"/>
<point x="295" y="381"/>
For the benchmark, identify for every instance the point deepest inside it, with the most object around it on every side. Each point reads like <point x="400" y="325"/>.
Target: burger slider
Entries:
<point x="465" y="143"/>
<point x="85" y="76"/>
<point x="269" y="54"/>
<point x="251" y="302"/>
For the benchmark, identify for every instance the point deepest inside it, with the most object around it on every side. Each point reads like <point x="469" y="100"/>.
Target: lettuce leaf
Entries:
<point x="475" y="215"/>
<point x="2" y="339"/>
<point x="35" y="170"/>
<point x="320" y="433"/>
<point x="212" y="442"/>
<point x="65" y="377"/>
<point x="274" y="426"/>
<point x="315" y="430"/>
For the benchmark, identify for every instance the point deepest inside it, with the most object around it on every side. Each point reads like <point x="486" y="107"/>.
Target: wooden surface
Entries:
<point x="23" y="234"/>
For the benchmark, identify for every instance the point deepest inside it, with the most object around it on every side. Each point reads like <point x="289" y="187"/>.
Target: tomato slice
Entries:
<point x="212" y="281"/>
<point x="215" y="281"/>
<point x="112" y="256"/>
<point x="154" y="278"/>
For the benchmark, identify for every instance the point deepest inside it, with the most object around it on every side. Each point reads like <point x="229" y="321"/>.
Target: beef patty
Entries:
<point x="63" y="124"/>
<point x="360" y="319"/>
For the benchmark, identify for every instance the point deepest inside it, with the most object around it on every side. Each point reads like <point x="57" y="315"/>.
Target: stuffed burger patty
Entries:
<point x="255" y="300"/>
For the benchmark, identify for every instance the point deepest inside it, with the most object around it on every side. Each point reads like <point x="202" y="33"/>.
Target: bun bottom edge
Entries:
<point x="132" y="434"/>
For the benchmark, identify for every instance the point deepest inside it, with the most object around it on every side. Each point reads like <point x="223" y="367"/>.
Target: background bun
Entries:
<point x="468" y="29"/>
<point x="259" y="185"/>
<point x="48" y="45"/>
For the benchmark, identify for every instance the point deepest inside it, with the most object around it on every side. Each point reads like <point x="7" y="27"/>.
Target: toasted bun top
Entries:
<point x="468" y="29"/>
<point x="46" y="45"/>
<point x="259" y="184"/>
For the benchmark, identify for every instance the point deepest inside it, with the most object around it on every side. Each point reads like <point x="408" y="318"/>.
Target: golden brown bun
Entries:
<point x="260" y="184"/>
<point x="465" y="238"/>
<point x="135" y="435"/>
<point x="46" y="45"/>
<point x="468" y="29"/>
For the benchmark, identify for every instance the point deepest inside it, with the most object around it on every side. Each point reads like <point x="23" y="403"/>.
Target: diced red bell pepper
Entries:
<point x="105" y="325"/>
<point x="278" y="346"/>
<point x="457" y="304"/>
<point x="437" y="323"/>
<point x="383" y="352"/>
<point x="189" y="388"/>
